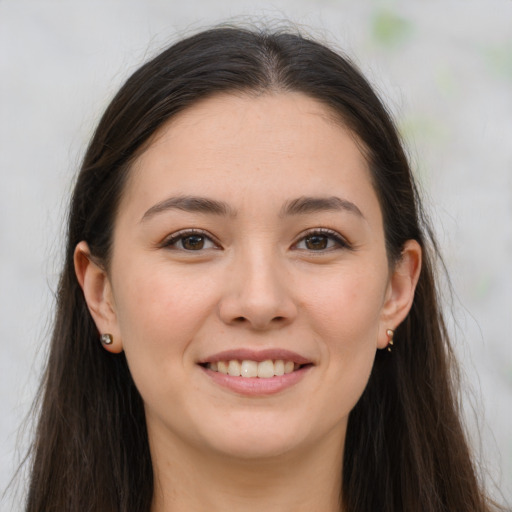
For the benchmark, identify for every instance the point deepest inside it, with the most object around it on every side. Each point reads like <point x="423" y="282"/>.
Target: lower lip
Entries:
<point x="253" y="386"/>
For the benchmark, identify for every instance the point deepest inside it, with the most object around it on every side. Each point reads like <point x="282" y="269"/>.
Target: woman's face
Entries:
<point x="249" y="239"/>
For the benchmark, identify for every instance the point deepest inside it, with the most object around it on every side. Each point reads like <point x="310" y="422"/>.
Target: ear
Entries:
<point x="400" y="291"/>
<point x="97" y="290"/>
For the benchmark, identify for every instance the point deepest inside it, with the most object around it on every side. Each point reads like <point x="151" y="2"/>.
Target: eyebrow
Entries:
<point x="300" y="206"/>
<point x="305" y="204"/>
<point x="190" y="204"/>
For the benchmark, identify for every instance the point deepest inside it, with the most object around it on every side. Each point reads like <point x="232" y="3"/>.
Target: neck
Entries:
<point x="195" y="481"/>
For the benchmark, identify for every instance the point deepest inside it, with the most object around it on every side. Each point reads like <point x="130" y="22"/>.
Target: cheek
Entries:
<point x="160" y="309"/>
<point x="347" y="308"/>
<point x="159" y="314"/>
<point x="345" y="316"/>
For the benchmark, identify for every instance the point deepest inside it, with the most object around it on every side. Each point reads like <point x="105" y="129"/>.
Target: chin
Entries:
<point x="258" y="436"/>
<point x="254" y="446"/>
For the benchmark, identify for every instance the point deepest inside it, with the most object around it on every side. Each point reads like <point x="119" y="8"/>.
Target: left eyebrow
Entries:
<point x="306" y="204"/>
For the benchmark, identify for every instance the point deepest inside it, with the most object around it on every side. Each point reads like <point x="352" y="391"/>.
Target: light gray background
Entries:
<point x="443" y="67"/>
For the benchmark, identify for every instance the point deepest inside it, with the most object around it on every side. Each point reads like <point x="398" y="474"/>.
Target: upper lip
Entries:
<point x="245" y="354"/>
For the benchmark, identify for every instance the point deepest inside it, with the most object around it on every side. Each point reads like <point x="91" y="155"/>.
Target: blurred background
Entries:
<point x="444" y="68"/>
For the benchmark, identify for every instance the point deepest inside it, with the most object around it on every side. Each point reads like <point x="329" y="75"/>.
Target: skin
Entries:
<point x="257" y="283"/>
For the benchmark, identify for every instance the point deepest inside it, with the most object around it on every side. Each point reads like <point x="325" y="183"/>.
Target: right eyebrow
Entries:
<point x="190" y="204"/>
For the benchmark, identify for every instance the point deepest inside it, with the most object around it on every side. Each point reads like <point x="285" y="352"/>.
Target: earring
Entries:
<point x="107" y="339"/>
<point x="390" y="333"/>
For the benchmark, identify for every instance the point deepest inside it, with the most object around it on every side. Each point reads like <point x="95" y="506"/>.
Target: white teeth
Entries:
<point x="234" y="368"/>
<point x="266" y="369"/>
<point x="246" y="368"/>
<point x="279" y="367"/>
<point x="249" y="369"/>
<point x="222" y="367"/>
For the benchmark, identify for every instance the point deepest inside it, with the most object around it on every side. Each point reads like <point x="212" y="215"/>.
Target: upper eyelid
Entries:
<point x="323" y="231"/>
<point x="183" y="233"/>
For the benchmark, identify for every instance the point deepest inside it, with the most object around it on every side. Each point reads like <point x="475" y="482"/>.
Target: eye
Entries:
<point x="321" y="240"/>
<point x="189" y="241"/>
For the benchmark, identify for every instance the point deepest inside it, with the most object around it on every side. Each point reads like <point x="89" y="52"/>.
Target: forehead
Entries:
<point x="226" y="120"/>
<point x="228" y="145"/>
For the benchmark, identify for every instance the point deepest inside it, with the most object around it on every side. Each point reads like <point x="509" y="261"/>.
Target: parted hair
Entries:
<point x="406" y="447"/>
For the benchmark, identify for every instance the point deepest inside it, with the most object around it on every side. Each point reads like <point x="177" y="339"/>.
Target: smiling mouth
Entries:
<point x="254" y="369"/>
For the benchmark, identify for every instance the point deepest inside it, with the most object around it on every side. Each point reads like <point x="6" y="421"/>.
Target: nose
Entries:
<point x="258" y="294"/>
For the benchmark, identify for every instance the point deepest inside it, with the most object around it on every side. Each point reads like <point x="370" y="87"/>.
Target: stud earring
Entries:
<point x="106" y="339"/>
<point x="390" y="333"/>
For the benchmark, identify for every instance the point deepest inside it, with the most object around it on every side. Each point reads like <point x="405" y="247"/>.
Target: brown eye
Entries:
<point x="321" y="240"/>
<point x="193" y="242"/>
<point x="189" y="241"/>
<point x="316" y="242"/>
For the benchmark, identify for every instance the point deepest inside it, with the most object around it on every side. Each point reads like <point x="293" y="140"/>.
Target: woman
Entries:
<point x="248" y="314"/>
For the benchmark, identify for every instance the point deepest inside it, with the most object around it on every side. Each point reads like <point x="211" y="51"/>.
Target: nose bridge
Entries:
<point x="258" y="294"/>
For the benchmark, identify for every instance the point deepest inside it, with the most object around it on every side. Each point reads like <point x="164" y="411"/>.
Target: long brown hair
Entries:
<point x="406" y="448"/>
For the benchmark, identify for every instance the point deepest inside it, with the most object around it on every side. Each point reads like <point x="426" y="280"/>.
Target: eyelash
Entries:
<point x="339" y="241"/>
<point x="171" y="241"/>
